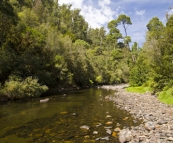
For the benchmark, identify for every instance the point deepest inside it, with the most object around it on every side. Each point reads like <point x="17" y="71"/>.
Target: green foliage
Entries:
<point x="155" y="25"/>
<point x="125" y="21"/>
<point x="79" y="43"/>
<point x="166" y="96"/>
<point x="99" y="79"/>
<point x="16" y="87"/>
<point x="52" y="42"/>
<point x="8" y="19"/>
<point x="28" y="17"/>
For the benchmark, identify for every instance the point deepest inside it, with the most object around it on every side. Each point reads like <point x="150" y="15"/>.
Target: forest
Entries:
<point x="45" y="45"/>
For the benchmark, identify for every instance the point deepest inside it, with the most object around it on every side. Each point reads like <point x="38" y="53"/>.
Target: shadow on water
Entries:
<point x="59" y="120"/>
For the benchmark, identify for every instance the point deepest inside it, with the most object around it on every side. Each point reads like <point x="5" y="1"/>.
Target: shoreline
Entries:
<point x="157" y="117"/>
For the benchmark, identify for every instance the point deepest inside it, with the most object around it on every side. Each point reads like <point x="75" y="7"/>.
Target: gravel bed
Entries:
<point x="157" y="117"/>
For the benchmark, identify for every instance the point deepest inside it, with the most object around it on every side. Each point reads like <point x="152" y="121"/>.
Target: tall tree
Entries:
<point x="114" y="33"/>
<point x="125" y="21"/>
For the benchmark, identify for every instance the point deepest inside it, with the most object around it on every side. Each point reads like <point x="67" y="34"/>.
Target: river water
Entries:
<point x="59" y="120"/>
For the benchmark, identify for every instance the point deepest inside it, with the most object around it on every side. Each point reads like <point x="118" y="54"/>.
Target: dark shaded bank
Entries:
<point x="59" y="90"/>
<point x="49" y="92"/>
<point x="157" y="126"/>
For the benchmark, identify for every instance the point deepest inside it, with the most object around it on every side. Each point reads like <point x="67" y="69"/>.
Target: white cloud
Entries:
<point x="96" y="14"/>
<point x="103" y="3"/>
<point x="141" y="12"/>
<point x="170" y="11"/>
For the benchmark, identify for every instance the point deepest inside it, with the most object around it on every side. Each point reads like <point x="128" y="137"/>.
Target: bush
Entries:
<point x="16" y="87"/>
<point x="166" y="96"/>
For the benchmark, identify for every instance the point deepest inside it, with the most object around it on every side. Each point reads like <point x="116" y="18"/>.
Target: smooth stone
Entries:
<point x="87" y="137"/>
<point x="105" y="138"/>
<point x="125" y="135"/>
<point x="44" y="100"/>
<point x="97" y="139"/>
<point x="149" y="125"/>
<point x="108" y="116"/>
<point x="108" y="131"/>
<point x="125" y="118"/>
<point x="73" y="114"/>
<point x="109" y="123"/>
<point x="117" y="129"/>
<point x="95" y="132"/>
<point x="84" y="127"/>
<point x="170" y="139"/>
<point x="161" y="122"/>
<point x="110" y="127"/>
<point x="99" y="124"/>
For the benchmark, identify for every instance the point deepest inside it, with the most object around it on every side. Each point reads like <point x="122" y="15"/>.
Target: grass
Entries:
<point x="139" y="89"/>
<point x="166" y="96"/>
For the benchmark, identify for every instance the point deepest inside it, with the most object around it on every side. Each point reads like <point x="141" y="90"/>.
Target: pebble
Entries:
<point x="108" y="131"/>
<point x="95" y="132"/>
<point x="117" y="129"/>
<point x="85" y="127"/>
<point x="149" y="125"/>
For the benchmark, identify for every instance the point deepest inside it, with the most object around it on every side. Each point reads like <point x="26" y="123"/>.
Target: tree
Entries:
<point x="114" y="33"/>
<point x="124" y="21"/>
<point x="134" y="52"/>
<point x="155" y="28"/>
<point x="155" y="24"/>
<point x="8" y="18"/>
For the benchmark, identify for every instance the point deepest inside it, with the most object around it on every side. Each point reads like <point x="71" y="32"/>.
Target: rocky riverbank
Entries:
<point x="157" y="126"/>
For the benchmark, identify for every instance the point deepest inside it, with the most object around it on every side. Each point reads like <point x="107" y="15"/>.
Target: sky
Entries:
<point x="99" y="12"/>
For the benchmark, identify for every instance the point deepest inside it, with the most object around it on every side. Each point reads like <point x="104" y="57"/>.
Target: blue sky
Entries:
<point x="99" y="12"/>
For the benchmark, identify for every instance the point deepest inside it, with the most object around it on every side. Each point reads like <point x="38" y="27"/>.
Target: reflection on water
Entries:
<point x="59" y="120"/>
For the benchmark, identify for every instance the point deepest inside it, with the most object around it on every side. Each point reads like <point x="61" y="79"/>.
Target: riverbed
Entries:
<point x="157" y="125"/>
<point x="62" y="118"/>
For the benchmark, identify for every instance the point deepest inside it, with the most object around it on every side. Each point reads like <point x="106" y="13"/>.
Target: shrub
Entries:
<point x="166" y="96"/>
<point x="16" y="87"/>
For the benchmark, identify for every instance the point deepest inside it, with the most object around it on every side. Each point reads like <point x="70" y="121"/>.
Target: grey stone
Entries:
<point x="125" y="135"/>
<point x="149" y="125"/>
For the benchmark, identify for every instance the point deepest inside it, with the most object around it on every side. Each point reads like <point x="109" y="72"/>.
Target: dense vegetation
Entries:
<point x="43" y="44"/>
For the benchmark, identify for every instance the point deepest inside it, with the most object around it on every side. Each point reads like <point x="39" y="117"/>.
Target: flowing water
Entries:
<point x="59" y="120"/>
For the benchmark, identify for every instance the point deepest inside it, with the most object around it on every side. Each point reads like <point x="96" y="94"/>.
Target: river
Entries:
<point x="59" y="120"/>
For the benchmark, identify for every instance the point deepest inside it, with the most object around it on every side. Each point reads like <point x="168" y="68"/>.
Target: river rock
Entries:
<point x="85" y="127"/>
<point x="125" y="135"/>
<point x="95" y="132"/>
<point x="170" y="139"/>
<point x="109" y="123"/>
<point x="108" y="116"/>
<point x="99" y="124"/>
<point x="117" y="129"/>
<point x="157" y="126"/>
<point x="108" y="127"/>
<point x="105" y="138"/>
<point x="73" y="114"/>
<point x="44" y="100"/>
<point x="160" y="122"/>
<point x="108" y="131"/>
<point x="149" y="125"/>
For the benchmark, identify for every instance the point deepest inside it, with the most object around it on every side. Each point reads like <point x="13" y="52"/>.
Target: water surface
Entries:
<point x="59" y="120"/>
